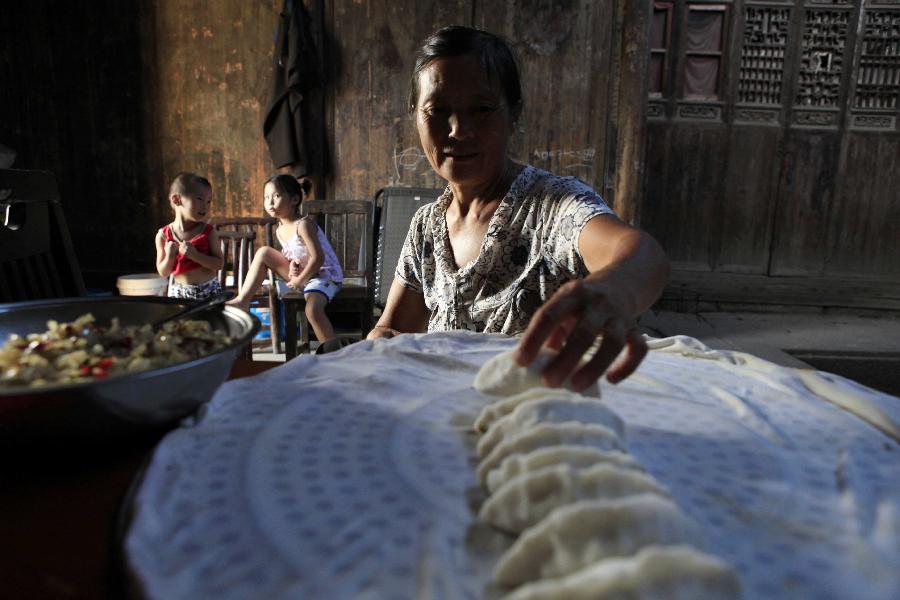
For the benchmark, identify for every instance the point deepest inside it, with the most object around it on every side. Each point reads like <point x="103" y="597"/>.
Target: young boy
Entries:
<point x="188" y="247"/>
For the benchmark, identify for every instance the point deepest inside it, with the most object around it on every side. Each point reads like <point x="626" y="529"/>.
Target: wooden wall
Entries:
<point x="206" y="66"/>
<point x="117" y="97"/>
<point x="566" y="74"/>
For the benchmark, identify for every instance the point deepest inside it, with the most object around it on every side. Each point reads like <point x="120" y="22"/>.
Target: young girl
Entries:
<point x="188" y="247"/>
<point x="306" y="261"/>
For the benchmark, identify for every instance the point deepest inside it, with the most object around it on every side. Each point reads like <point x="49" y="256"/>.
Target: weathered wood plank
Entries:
<point x="375" y="141"/>
<point x="209" y="68"/>
<point x="864" y="225"/>
<point x="749" y="193"/>
<point x="806" y="199"/>
<point x="564" y="50"/>
<point x="685" y="192"/>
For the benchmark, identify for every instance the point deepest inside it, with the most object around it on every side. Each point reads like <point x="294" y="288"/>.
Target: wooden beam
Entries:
<point x="632" y="99"/>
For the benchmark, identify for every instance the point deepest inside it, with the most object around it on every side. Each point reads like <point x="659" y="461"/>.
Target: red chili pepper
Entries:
<point x="85" y="370"/>
<point x="105" y="363"/>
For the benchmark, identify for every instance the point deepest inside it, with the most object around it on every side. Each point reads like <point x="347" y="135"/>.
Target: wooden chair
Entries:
<point x="37" y="259"/>
<point x="237" y="248"/>
<point x="349" y="228"/>
<point x="239" y="238"/>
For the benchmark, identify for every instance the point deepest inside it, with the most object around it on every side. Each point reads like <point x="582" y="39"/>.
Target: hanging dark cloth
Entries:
<point x="294" y="123"/>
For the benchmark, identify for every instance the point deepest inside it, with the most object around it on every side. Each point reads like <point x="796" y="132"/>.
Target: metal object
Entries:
<point x="122" y="404"/>
<point x="192" y="310"/>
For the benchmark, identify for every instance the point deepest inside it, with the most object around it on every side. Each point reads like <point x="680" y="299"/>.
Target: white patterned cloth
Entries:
<point x="529" y="251"/>
<point x="351" y="475"/>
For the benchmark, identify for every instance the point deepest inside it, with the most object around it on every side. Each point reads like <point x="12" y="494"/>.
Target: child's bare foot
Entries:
<point x="243" y="305"/>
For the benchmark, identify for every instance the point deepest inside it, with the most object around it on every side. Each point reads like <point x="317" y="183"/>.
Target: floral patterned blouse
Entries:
<point x="529" y="251"/>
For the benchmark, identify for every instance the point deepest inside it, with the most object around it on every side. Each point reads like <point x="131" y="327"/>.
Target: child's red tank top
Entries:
<point x="199" y="241"/>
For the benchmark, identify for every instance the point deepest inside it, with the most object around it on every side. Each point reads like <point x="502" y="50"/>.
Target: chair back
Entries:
<point x="397" y="207"/>
<point x="349" y="228"/>
<point x="238" y="239"/>
<point x="37" y="259"/>
<point x="237" y="250"/>
<point x="261" y="227"/>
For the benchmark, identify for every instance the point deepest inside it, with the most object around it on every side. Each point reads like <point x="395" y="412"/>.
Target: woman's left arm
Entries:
<point x="627" y="273"/>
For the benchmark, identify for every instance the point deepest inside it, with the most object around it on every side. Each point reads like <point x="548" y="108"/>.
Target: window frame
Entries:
<point x="724" y="8"/>
<point x="665" y="51"/>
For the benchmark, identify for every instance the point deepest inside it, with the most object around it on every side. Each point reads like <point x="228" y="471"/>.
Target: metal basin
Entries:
<point x="123" y="403"/>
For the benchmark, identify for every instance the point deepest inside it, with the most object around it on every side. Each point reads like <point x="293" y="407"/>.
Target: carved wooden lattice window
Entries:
<point x="878" y="77"/>
<point x="704" y="41"/>
<point x="660" y="34"/>
<point x="762" y="54"/>
<point x="822" y="58"/>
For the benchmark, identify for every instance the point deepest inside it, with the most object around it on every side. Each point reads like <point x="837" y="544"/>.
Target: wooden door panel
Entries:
<point x="807" y="195"/>
<point x="863" y="238"/>
<point x="684" y="177"/>
<point x="749" y="194"/>
<point x="796" y="185"/>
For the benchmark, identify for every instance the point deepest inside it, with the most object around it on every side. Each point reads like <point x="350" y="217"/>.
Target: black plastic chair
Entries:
<point x="395" y="207"/>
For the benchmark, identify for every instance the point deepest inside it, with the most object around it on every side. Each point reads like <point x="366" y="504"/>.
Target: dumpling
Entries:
<point x="550" y="434"/>
<point x="574" y="456"/>
<point x="550" y="410"/>
<point x="654" y="573"/>
<point x="529" y="498"/>
<point x="502" y="376"/>
<point x="506" y="405"/>
<point x="574" y="536"/>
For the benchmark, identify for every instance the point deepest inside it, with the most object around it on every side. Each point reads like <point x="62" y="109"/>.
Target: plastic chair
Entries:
<point x="37" y="259"/>
<point x="395" y="207"/>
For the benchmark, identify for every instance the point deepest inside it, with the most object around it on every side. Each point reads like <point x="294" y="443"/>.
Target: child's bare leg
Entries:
<point x="265" y="258"/>
<point x="315" y="312"/>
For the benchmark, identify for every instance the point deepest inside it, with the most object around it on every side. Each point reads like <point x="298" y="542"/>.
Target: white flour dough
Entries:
<point x="574" y="536"/>
<point x="502" y="376"/>
<point x="574" y="456"/>
<point x="527" y="499"/>
<point x="654" y="573"/>
<point x="550" y="410"/>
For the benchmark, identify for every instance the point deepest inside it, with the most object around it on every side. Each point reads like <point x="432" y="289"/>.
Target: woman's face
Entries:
<point x="463" y="122"/>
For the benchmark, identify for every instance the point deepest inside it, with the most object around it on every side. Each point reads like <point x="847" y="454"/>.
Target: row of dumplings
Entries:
<point x="591" y="522"/>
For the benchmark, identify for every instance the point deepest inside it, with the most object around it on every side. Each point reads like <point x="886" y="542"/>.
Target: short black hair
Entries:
<point x="188" y="183"/>
<point x="287" y="185"/>
<point x="494" y="53"/>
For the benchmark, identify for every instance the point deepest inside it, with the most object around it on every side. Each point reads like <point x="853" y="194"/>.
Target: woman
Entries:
<point x="510" y="248"/>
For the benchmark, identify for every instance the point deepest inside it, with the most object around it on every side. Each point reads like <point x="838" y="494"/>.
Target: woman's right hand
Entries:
<point x="171" y="248"/>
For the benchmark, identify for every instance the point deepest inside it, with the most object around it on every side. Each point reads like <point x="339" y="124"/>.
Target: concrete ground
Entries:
<point x="863" y="348"/>
<point x="866" y="349"/>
